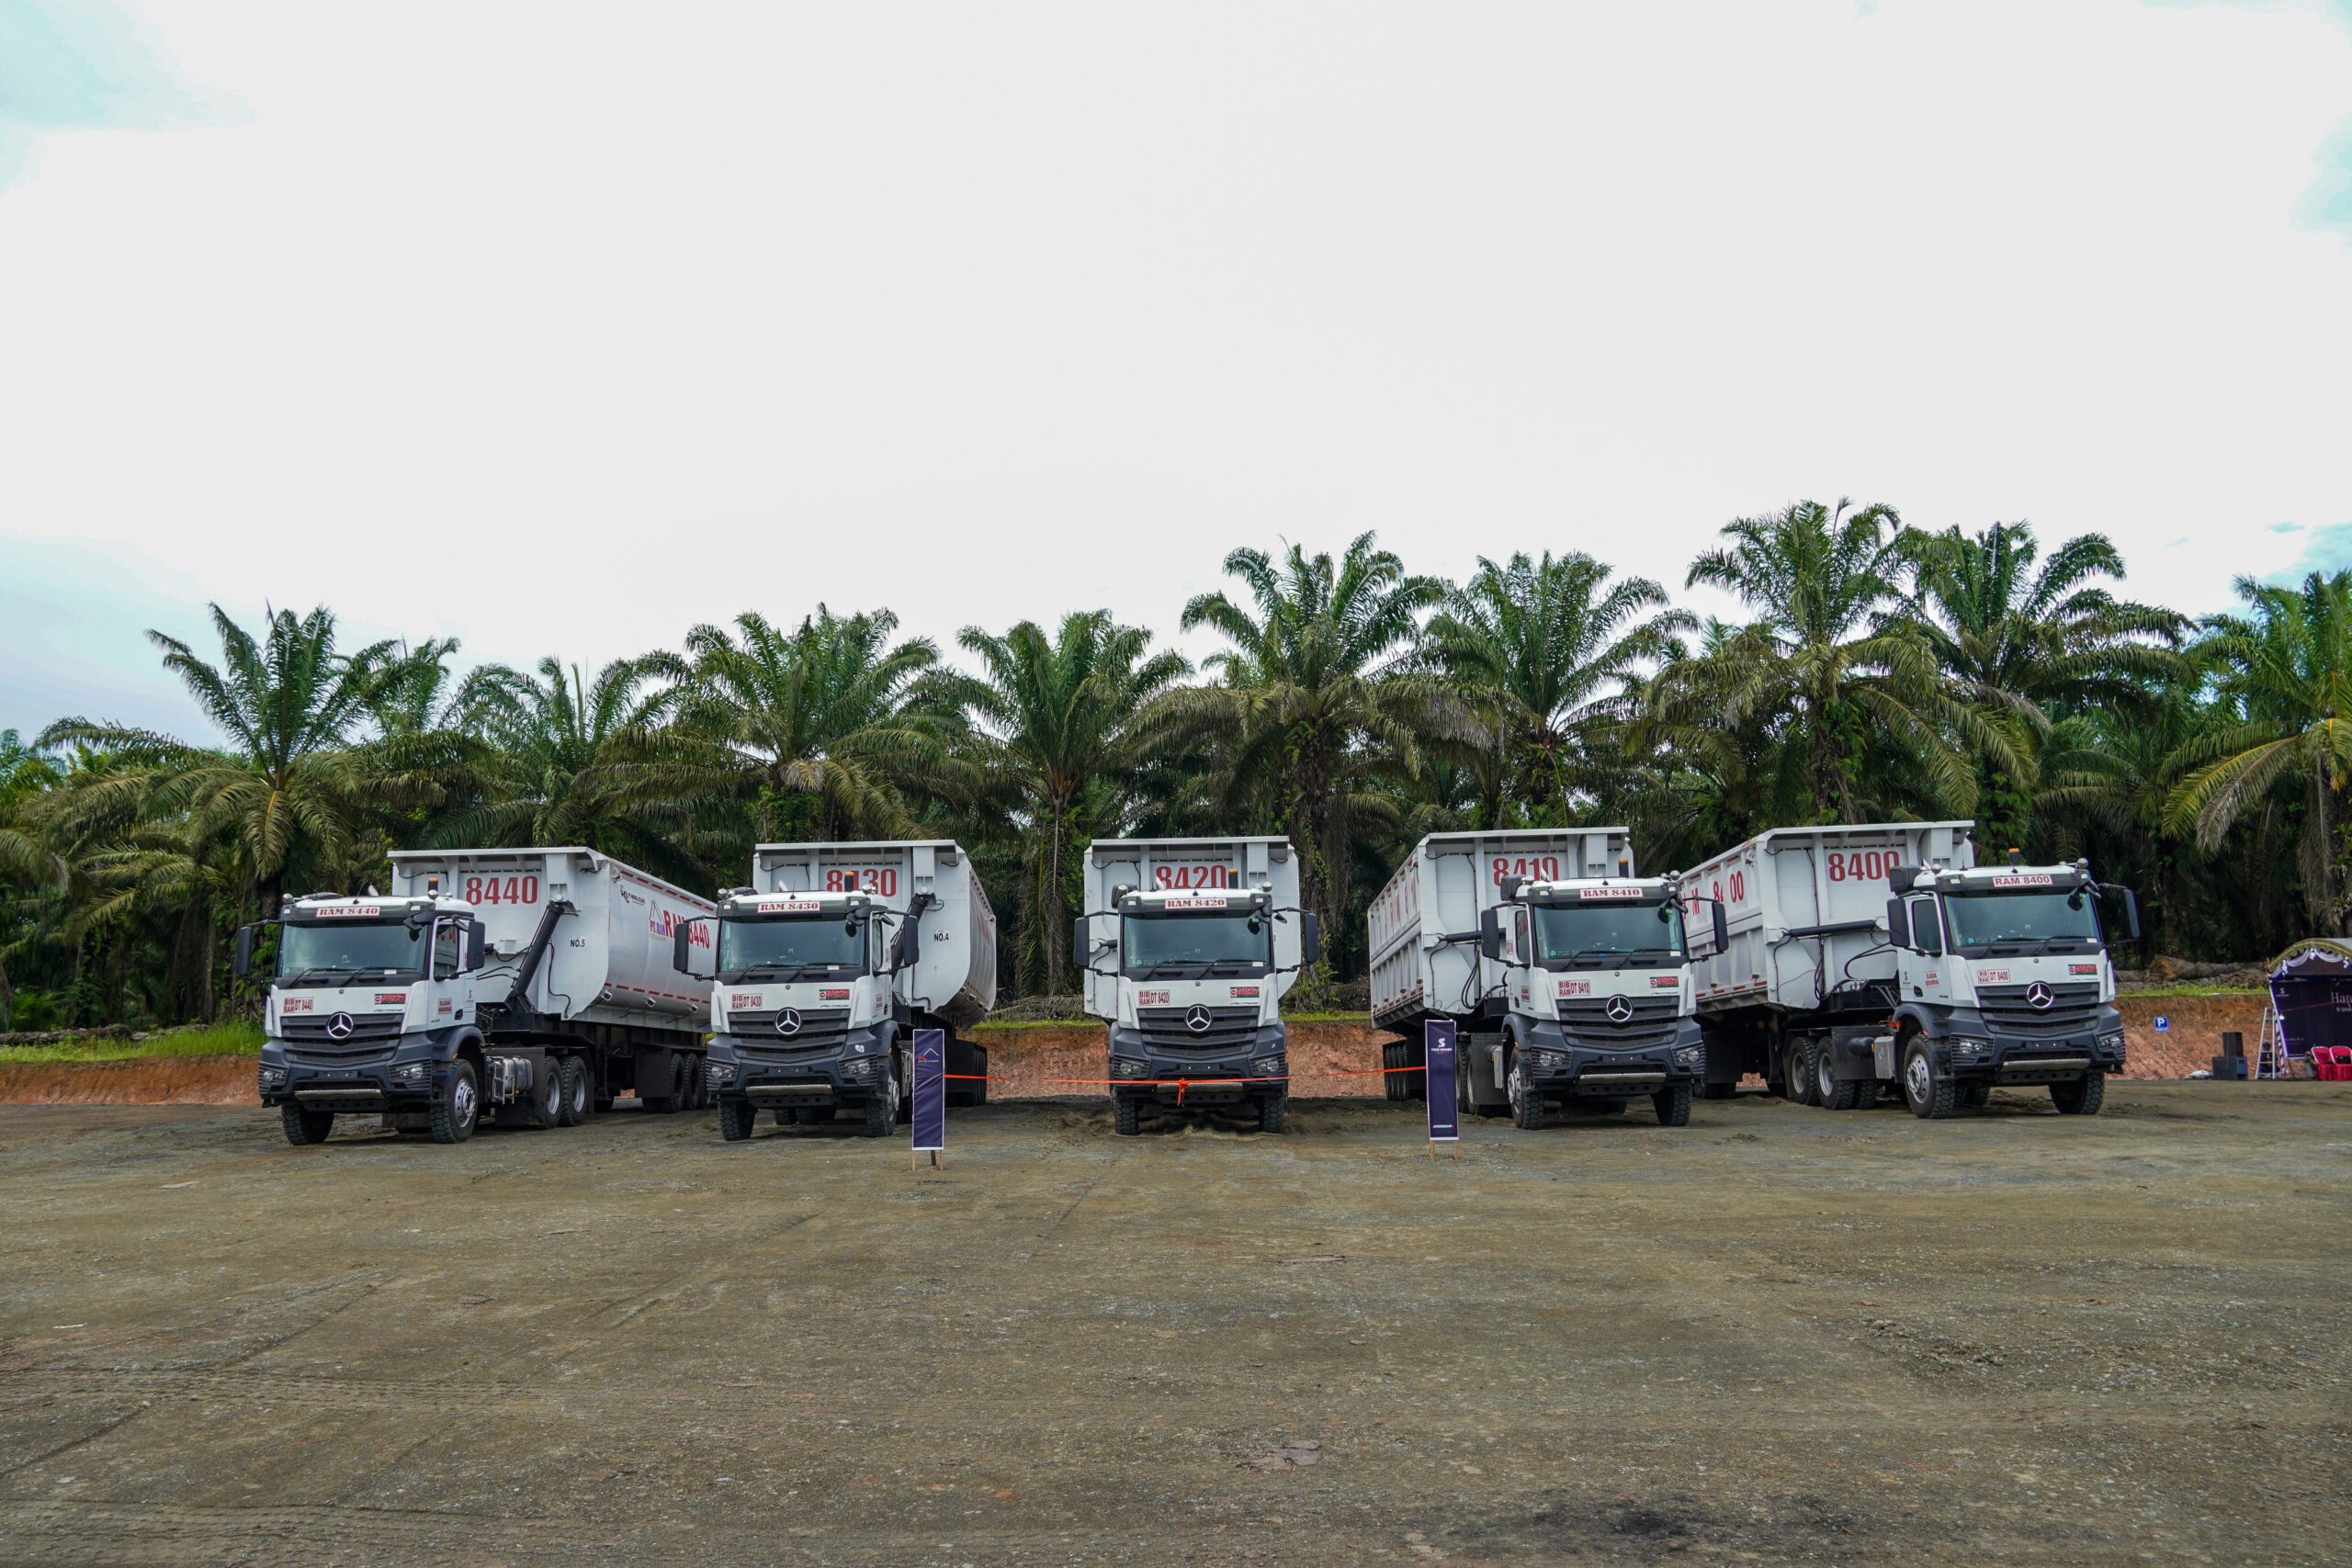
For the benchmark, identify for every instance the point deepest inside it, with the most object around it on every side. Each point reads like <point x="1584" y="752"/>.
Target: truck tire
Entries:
<point x="881" y="1116"/>
<point x="2081" y="1098"/>
<point x="1127" y="1116"/>
<point x="1798" y="1071"/>
<point x="546" y="1105"/>
<point x="458" y="1109"/>
<point x="1392" y="1082"/>
<point x="1526" y="1104"/>
<point x="571" y="1073"/>
<point x="1827" y="1091"/>
<point x="1928" y="1091"/>
<point x="1274" y="1113"/>
<point x="1673" y="1105"/>
<point x="305" y="1126"/>
<point x="735" y="1117"/>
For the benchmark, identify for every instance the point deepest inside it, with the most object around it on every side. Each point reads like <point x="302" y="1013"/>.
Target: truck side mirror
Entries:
<point x="2131" y="914"/>
<point x="1509" y="888"/>
<point x="1723" y="927"/>
<point x="1898" y="923"/>
<point x="1491" y="933"/>
<point x="477" y="940"/>
<point x="904" y="947"/>
<point x="243" y="965"/>
<point x="678" y="941"/>
<point x="1310" y="938"/>
<point x="1081" y="942"/>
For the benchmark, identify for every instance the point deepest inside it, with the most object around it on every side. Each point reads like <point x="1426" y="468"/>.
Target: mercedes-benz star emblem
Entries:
<point x="2038" y="995"/>
<point x="1619" y="1009"/>
<point x="789" y="1022"/>
<point x="1196" y="1018"/>
<point x="340" y="1026"/>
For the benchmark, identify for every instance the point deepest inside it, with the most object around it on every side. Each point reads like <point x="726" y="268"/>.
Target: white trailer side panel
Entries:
<point x="609" y="961"/>
<point x="955" y="975"/>
<point x="1445" y="884"/>
<point x="1807" y="910"/>
<point x="1172" y="864"/>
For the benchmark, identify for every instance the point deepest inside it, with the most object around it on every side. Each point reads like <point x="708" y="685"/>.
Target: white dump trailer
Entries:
<point x="826" y="965"/>
<point x="535" y="983"/>
<point x="1881" y="954"/>
<point x="1189" y="945"/>
<point x="1565" y="971"/>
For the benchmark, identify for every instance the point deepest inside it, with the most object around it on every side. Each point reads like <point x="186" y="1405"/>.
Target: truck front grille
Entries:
<point x="2071" y="1009"/>
<point x="365" y="1027"/>
<point x="1652" y="1023"/>
<point x="821" y="1029"/>
<point x="1229" y="1029"/>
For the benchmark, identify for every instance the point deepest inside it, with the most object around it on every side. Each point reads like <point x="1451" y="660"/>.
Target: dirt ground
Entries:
<point x="1778" y="1335"/>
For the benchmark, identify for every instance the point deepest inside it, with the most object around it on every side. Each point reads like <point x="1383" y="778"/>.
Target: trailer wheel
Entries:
<point x="1526" y="1103"/>
<point x="547" y="1098"/>
<point x="1928" y="1092"/>
<point x="2081" y="1098"/>
<point x="1273" y="1112"/>
<point x="458" y="1107"/>
<point x="1798" y="1071"/>
<point x="1832" y="1094"/>
<point x="1127" y="1116"/>
<point x="880" y="1114"/>
<point x="305" y="1126"/>
<point x="572" y="1076"/>
<point x="1673" y="1105"/>
<point x="735" y="1117"/>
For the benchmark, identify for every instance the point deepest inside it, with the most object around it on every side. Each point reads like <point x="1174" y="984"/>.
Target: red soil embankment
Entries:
<point x="139" y="1080"/>
<point x="1024" y="1062"/>
<point x="2194" y="1038"/>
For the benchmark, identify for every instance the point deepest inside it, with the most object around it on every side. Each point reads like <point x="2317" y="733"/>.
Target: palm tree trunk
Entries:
<point x="1056" y="926"/>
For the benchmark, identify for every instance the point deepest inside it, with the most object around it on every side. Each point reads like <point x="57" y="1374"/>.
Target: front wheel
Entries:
<point x="458" y="1107"/>
<point x="735" y="1116"/>
<point x="305" y="1126"/>
<point x="881" y="1115"/>
<point x="1928" y="1090"/>
<point x="2081" y="1098"/>
<point x="1127" y="1116"/>
<point x="1673" y="1105"/>
<point x="1526" y="1103"/>
<point x="1274" y="1113"/>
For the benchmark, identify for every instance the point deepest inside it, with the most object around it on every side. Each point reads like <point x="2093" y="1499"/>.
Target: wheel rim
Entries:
<point x="1825" y="1076"/>
<point x="580" y="1094"/>
<point x="1918" y="1078"/>
<point x="461" y="1100"/>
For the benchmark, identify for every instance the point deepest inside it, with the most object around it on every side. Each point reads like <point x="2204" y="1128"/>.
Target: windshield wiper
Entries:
<point x="297" y="979"/>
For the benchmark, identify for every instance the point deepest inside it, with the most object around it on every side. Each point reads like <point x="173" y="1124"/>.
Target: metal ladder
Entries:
<point x="2270" y="1058"/>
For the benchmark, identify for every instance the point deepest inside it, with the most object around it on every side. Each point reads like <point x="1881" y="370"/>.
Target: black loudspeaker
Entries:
<point x="2233" y="1043"/>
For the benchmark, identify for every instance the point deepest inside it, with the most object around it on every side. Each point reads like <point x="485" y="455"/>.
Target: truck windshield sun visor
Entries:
<point x="2027" y="916"/>
<point x="1158" y="945"/>
<point x="828" y="944"/>
<point x="312" y="953"/>
<point x="1607" y="935"/>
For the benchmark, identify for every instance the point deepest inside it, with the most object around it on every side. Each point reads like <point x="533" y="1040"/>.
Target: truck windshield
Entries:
<point x="2039" y="919"/>
<point x="315" y="954"/>
<point x="780" y="948"/>
<point x="1174" y="946"/>
<point x="1606" y="936"/>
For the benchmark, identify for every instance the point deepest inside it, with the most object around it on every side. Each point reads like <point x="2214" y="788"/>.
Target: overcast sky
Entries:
<point x="560" y="328"/>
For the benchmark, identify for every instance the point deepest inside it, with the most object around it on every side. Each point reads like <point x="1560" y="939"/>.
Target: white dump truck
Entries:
<point x="1567" y="974"/>
<point x="1882" y="954"/>
<point x="1189" y="945"/>
<point x="824" y="967"/>
<point x="532" y="984"/>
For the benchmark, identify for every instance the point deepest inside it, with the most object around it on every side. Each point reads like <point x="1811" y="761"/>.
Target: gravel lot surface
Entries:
<point x="1778" y="1335"/>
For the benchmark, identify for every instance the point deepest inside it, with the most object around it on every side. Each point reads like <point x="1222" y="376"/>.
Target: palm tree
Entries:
<point x="1056" y="720"/>
<point x="2024" y="644"/>
<point x="1315" y="697"/>
<point x="286" y="787"/>
<point x="811" y="732"/>
<point x="1557" y="648"/>
<point x="29" y="874"/>
<point x="2285" y="675"/>
<point x="1845" y="685"/>
<point x="543" y="735"/>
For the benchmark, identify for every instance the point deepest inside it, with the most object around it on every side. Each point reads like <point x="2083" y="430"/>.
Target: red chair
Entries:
<point x="2332" y="1063"/>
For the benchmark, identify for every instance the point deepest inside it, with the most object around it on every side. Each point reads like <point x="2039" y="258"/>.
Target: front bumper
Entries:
<point x="845" y="1071"/>
<point x="1143" y="1068"/>
<point x="1558" y="1063"/>
<point x="407" y="1074"/>
<point x="1975" y="1052"/>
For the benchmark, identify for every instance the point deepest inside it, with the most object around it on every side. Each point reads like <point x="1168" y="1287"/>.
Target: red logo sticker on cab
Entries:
<point x="445" y="1005"/>
<point x="746" y="999"/>
<point x="392" y="998"/>
<point x="2082" y="968"/>
<point x="1576" y="987"/>
<point x="1245" y="990"/>
<point x="833" y="994"/>
<point x="1665" y="982"/>
<point x="1152" y="998"/>
<point x="295" y="1004"/>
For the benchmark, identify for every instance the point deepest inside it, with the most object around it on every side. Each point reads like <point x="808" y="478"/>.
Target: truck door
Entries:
<point x="1927" y="971"/>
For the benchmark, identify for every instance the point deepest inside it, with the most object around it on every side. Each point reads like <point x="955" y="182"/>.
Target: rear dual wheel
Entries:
<point x="571" y="1079"/>
<point x="1828" y="1091"/>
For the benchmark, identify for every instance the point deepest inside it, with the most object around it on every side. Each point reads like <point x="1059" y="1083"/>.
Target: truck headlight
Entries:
<point x="1969" y="1047"/>
<point x="861" y="1066"/>
<point x="2110" y="1043"/>
<point x="721" y="1074"/>
<point x="1547" y="1061"/>
<point x="273" y="1078"/>
<point x="412" y="1073"/>
<point x="1270" y="1067"/>
<point x="1123" y="1068"/>
<point x="1688" y="1055"/>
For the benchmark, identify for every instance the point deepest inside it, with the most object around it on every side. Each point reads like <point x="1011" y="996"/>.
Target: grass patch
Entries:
<point x="2188" y="988"/>
<point x="217" y="1040"/>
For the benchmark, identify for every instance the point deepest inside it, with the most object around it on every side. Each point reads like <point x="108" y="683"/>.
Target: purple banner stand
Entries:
<point x="1445" y="1124"/>
<point x="930" y="1088"/>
